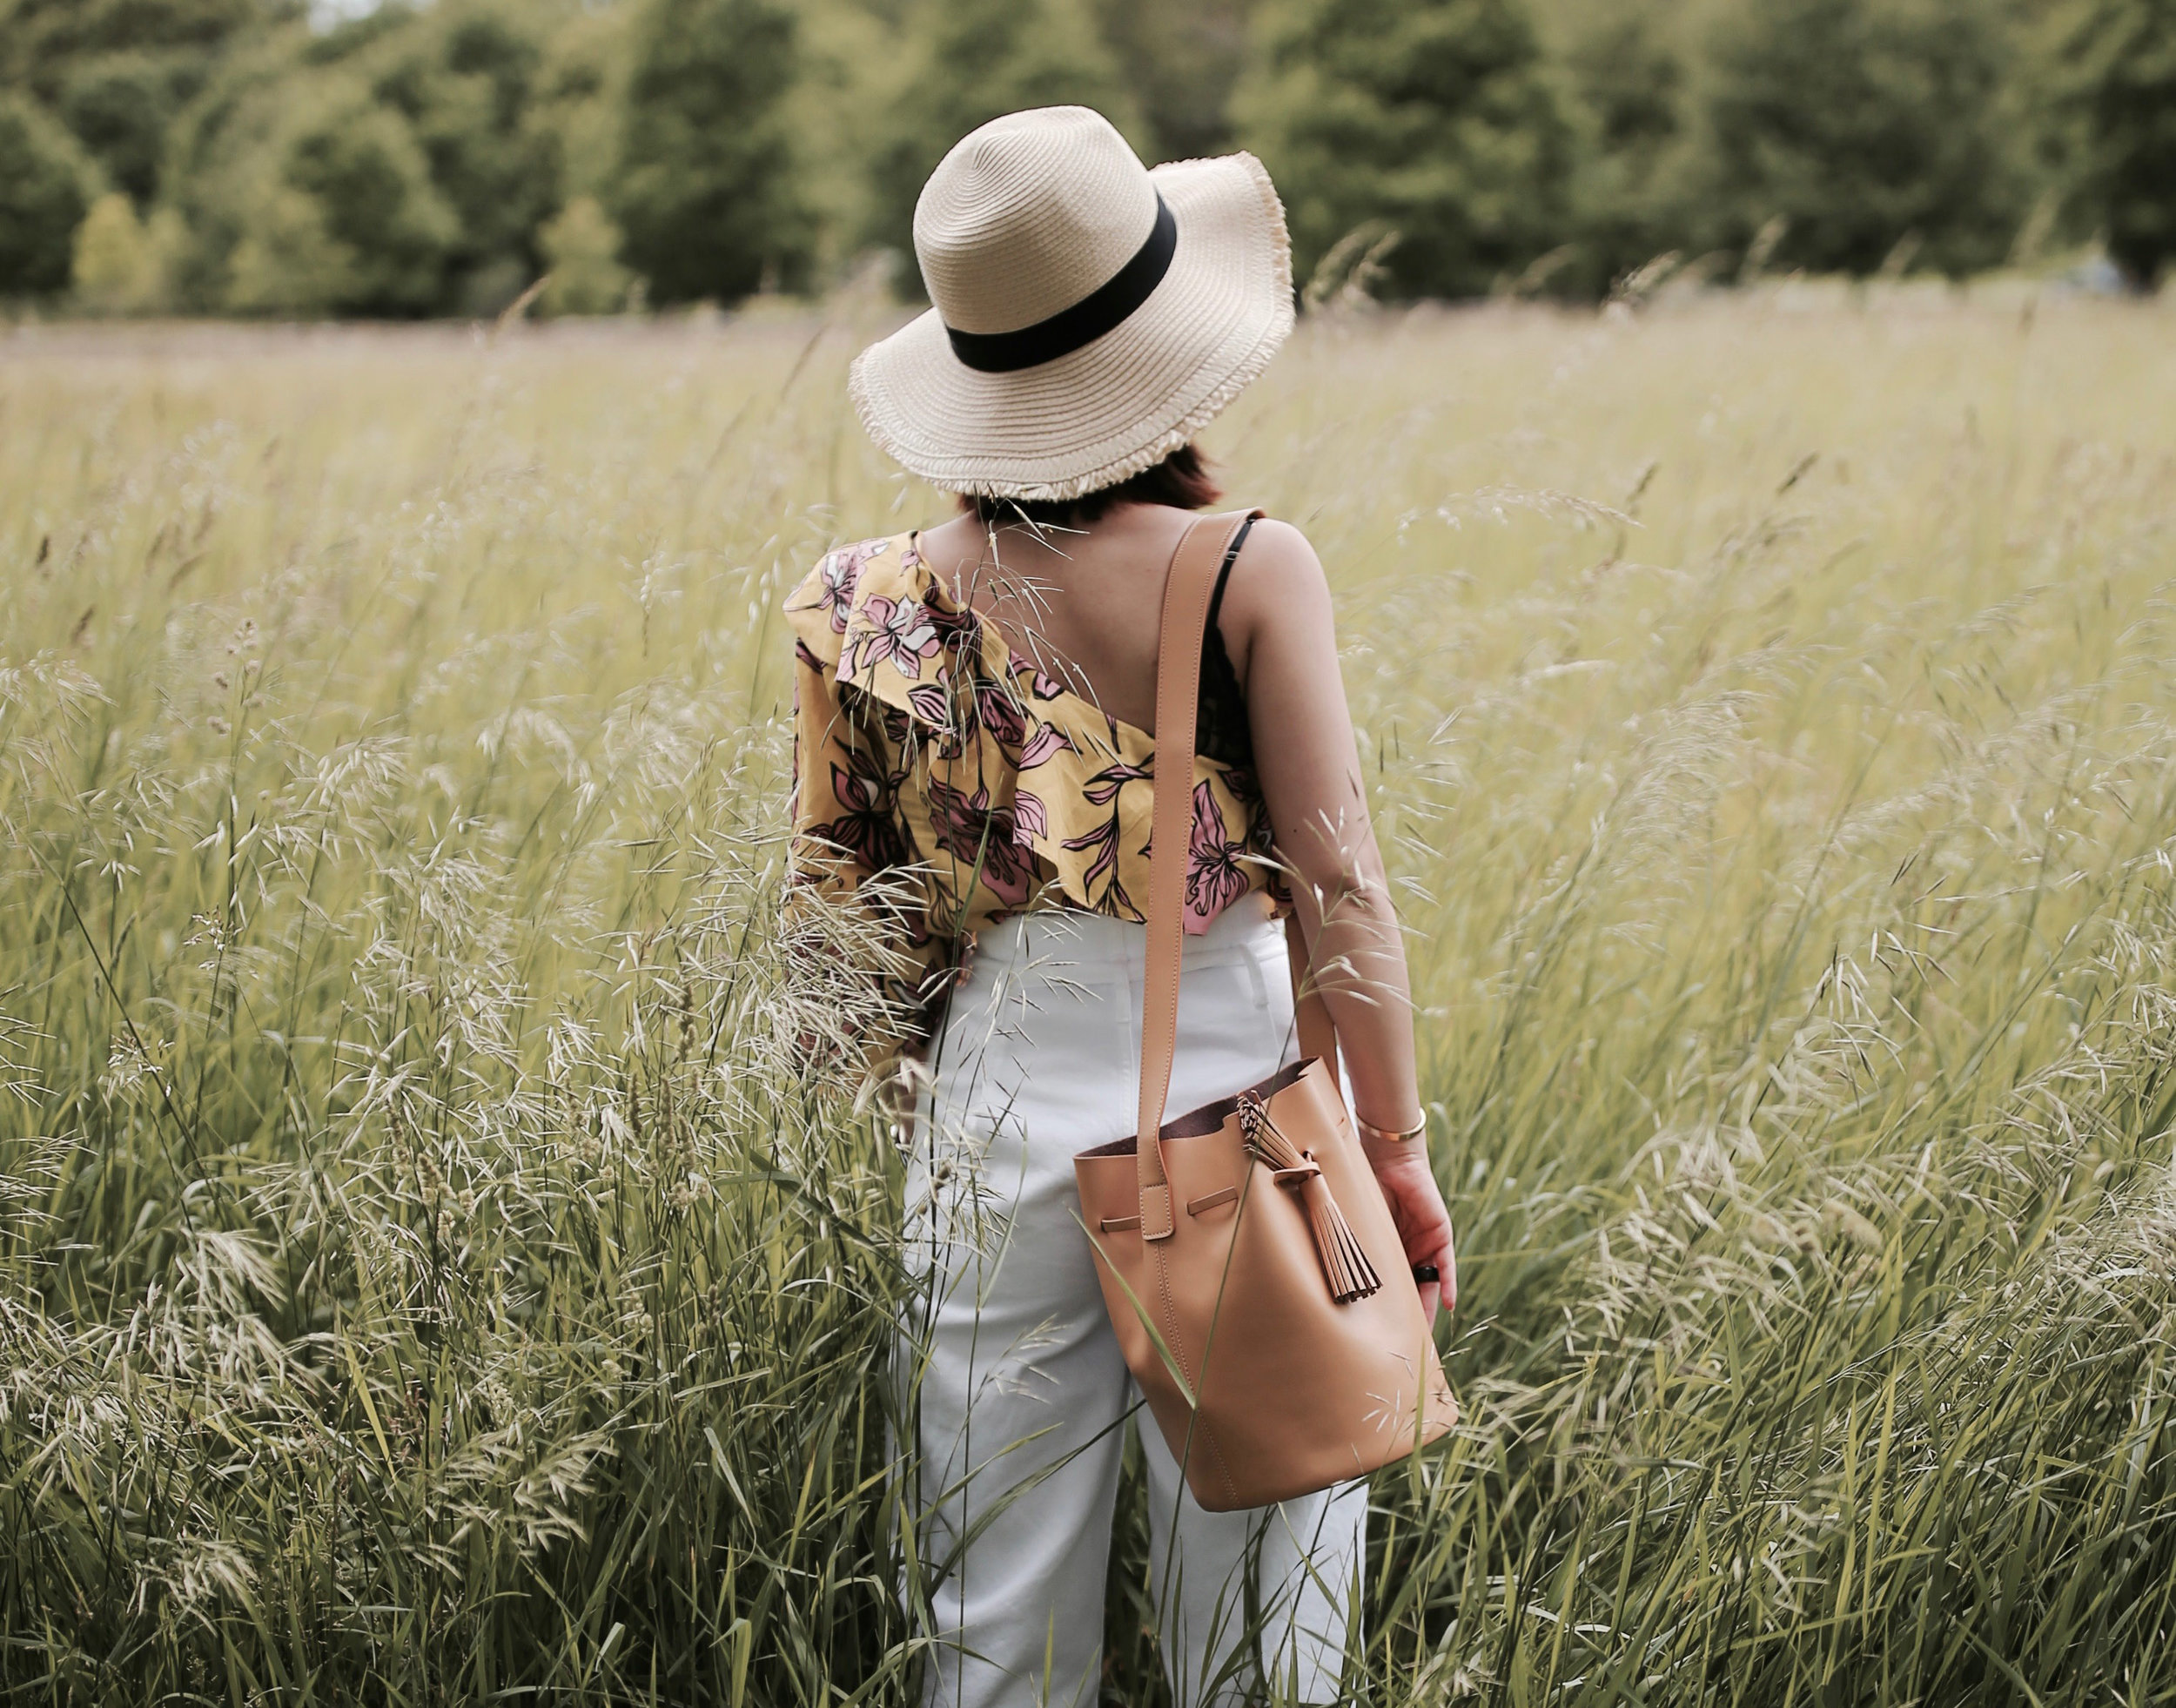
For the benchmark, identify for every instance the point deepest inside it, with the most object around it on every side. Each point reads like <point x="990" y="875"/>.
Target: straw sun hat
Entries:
<point x="1090" y="315"/>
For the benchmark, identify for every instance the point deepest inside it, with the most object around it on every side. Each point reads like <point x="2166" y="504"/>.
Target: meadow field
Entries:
<point x="427" y="1273"/>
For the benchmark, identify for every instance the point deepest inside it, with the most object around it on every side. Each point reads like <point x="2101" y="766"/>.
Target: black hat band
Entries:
<point x="1086" y="321"/>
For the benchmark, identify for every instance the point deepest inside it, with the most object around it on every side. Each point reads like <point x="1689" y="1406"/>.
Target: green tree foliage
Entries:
<point x="577" y="98"/>
<point x="119" y="107"/>
<point x="1628" y="81"/>
<point x="968" y="61"/>
<point x="1434" y="118"/>
<point x="112" y="259"/>
<point x="122" y="263"/>
<point x="464" y="77"/>
<point x="411" y="161"/>
<point x="583" y="245"/>
<point x="117" y="72"/>
<point x="851" y="58"/>
<point x="707" y="189"/>
<point x="40" y="37"/>
<point x="47" y="184"/>
<point x="368" y="176"/>
<point x="394" y="167"/>
<point x="1864" y="124"/>
<point x="2117" y="73"/>
<point x="1181" y="61"/>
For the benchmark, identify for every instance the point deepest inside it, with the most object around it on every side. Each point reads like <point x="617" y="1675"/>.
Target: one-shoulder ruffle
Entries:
<point x="1012" y="789"/>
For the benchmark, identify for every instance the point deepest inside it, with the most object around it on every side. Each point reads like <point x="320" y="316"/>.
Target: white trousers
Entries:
<point x="1022" y="1396"/>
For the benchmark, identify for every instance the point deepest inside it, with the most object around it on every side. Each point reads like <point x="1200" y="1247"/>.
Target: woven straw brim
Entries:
<point x="1116" y="405"/>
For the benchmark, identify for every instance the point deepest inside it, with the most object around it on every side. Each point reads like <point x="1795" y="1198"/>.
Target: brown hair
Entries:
<point x="1182" y="480"/>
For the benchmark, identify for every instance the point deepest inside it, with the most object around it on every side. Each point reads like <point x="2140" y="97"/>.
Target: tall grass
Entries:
<point x="430" y="1274"/>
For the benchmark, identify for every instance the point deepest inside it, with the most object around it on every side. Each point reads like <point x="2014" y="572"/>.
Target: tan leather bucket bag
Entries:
<point x="1253" y="1275"/>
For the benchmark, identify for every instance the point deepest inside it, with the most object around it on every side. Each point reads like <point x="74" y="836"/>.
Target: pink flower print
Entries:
<point x="865" y="828"/>
<point x="1041" y="683"/>
<point x="1029" y="818"/>
<point x="942" y="704"/>
<point x="1103" y="787"/>
<point x="899" y="633"/>
<point x="959" y="630"/>
<point x="1214" y="878"/>
<point x="999" y="712"/>
<point x="959" y="708"/>
<point x="1048" y="739"/>
<point x="985" y="839"/>
<point x="1104" y="841"/>
<point x="836" y="578"/>
<point x="932" y="702"/>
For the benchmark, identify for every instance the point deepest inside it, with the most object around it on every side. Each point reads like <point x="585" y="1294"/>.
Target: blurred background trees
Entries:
<point x="966" y="62"/>
<point x="2115" y="101"/>
<point x="1434" y="122"/>
<point x="711" y="208"/>
<point x="1865" y="124"/>
<point x="260" y="157"/>
<point x="47" y="185"/>
<point x="1625" y="72"/>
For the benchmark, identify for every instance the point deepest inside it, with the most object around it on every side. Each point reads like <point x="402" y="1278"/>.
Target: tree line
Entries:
<point x="243" y="157"/>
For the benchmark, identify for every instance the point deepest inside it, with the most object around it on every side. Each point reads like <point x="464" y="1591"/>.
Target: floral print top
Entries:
<point x="929" y="751"/>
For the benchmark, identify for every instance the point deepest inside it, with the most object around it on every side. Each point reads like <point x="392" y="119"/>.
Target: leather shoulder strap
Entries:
<point x="1318" y="1033"/>
<point x="1186" y="591"/>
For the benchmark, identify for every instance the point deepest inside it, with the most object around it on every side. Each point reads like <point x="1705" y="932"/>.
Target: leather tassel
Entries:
<point x="1345" y="1265"/>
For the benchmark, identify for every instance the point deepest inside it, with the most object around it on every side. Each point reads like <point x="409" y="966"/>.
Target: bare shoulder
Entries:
<point x="1276" y="576"/>
<point x="1277" y="550"/>
<point x="1277" y="601"/>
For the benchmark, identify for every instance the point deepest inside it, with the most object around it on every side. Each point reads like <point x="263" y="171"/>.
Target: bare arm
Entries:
<point x="1279" y="628"/>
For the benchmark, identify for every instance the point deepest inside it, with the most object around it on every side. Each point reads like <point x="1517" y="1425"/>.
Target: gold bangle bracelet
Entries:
<point x="1387" y="1135"/>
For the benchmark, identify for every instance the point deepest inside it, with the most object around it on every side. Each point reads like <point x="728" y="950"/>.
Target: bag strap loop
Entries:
<point x="1187" y="589"/>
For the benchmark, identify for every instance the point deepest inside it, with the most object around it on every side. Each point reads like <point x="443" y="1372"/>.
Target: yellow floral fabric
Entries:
<point x="927" y="750"/>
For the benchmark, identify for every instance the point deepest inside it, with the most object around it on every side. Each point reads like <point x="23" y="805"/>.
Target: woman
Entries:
<point x="975" y="770"/>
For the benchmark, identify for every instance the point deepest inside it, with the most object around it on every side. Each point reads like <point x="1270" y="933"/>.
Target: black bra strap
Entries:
<point x="1223" y="574"/>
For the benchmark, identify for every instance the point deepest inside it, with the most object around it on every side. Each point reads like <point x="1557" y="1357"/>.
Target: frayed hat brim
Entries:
<point x="1121" y="403"/>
